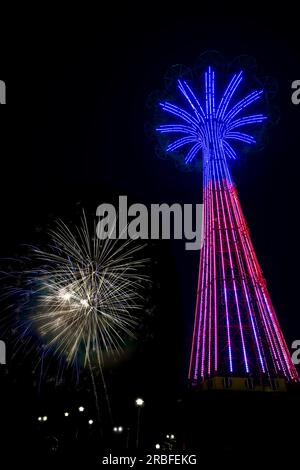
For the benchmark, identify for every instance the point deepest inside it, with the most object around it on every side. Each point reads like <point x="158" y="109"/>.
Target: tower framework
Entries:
<point x="236" y="330"/>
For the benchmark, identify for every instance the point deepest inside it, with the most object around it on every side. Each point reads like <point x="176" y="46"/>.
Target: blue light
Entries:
<point x="211" y="123"/>
<point x="255" y="119"/>
<point x="189" y="95"/>
<point x="243" y="104"/>
<point x="235" y="81"/>
<point x="192" y="153"/>
<point x="229" y="152"/>
<point x="181" y="129"/>
<point x="178" y="143"/>
<point x="248" y="139"/>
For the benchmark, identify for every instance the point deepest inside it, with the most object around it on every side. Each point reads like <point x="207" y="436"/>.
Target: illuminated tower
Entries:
<point x="236" y="331"/>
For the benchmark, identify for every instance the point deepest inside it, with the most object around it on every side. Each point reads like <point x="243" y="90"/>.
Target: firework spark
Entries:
<point x="87" y="294"/>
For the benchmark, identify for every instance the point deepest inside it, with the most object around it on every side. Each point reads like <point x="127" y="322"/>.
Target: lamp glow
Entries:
<point x="139" y="402"/>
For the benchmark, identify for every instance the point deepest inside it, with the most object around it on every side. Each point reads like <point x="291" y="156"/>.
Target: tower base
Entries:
<point x="242" y="384"/>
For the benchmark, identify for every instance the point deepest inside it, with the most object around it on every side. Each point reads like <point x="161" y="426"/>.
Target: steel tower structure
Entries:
<point x="236" y="330"/>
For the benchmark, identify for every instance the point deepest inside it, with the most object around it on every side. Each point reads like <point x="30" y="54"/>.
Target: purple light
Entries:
<point x="236" y="331"/>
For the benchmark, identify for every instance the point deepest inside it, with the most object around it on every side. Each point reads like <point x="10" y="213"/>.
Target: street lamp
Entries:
<point x="66" y="414"/>
<point x="139" y="402"/>
<point x="118" y="429"/>
<point x="81" y="409"/>
<point x="91" y="421"/>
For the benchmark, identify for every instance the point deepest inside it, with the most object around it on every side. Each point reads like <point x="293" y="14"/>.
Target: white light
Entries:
<point x="45" y="418"/>
<point x="91" y="421"/>
<point x="139" y="402"/>
<point x="84" y="302"/>
<point x="115" y="429"/>
<point x="66" y="414"/>
<point x="81" y="409"/>
<point x="172" y="436"/>
<point x="65" y="295"/>
<point x="40" y="418"/>
<point x="167" y="436"/>
<point x="120" y="429"/>
<point x="157" y="446"/>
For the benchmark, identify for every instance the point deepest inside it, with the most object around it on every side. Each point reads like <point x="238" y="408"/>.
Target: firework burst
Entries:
<point x="85" y="295"/>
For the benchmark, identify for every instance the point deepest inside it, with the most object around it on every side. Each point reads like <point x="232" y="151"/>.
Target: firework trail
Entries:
<point x="84" y="296"/>
<point x="89" y="293"/>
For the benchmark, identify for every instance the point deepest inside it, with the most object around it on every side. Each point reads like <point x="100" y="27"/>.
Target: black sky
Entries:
<point x="73" y="132"/>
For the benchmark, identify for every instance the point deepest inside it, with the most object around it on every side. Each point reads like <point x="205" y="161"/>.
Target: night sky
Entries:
<point x="73" y="135"/>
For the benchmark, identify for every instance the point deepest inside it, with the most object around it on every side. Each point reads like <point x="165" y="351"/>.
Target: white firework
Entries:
<point x="88" y="294"/>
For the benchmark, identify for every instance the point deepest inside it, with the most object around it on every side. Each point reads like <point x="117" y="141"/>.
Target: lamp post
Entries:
<point x="139" y="402"/>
